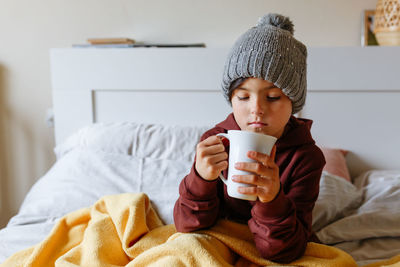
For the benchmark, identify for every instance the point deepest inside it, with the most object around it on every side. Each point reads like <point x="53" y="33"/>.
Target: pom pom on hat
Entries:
<point x="278" y="21"/>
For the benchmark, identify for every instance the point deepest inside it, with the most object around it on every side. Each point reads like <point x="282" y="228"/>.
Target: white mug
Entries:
<point x="240" y="142"/>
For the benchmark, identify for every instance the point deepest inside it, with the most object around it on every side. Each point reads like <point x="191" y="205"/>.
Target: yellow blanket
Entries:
<point x="124" y="230"/>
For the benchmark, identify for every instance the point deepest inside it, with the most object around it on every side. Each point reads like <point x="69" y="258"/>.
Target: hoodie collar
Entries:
<point x="297" y="132"/>
<point x="229" y="123"/>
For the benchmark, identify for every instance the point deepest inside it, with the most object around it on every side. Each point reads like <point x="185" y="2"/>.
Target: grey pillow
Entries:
<point x="337" y="196"/>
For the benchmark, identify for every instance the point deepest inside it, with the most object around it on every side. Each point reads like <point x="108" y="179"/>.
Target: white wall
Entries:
<point x="28" y="29"/>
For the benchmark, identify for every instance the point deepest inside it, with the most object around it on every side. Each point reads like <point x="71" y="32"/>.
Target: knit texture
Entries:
<point x="270" y="52"/>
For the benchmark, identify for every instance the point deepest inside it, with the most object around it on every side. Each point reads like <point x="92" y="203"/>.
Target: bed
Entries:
<point x="120" y="128"/>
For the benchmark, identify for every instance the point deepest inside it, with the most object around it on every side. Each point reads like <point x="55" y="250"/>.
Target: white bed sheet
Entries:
<point x="369" y="231"/>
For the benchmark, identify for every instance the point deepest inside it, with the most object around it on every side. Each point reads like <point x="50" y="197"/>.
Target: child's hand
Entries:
<point x="211" y="158"/>
<point x="265" y="177"/>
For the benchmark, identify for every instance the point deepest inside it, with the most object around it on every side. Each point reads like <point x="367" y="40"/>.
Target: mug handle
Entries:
<point x="220" y="175"/>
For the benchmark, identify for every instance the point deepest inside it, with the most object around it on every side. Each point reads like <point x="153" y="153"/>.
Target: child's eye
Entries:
<point x="273" y="98"/>
<point x="243" y="97"/>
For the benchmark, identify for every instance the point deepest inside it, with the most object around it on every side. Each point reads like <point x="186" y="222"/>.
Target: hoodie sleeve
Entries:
<point x="282" y="227"/>
<point x="198" y="204"/>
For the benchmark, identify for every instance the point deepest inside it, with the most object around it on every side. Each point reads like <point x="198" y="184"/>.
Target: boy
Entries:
<point x="265" y="82"/>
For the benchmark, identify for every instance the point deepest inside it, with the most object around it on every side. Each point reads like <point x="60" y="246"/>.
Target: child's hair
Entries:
<point x="269" y="51"/>
<point x="234" y="84"/>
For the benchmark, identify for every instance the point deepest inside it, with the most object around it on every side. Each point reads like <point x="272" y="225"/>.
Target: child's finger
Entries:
<point x="211" y="140"/>
<point x="271" y="158"/>
<point x="258" y="156"/>
<point x="263" y="158"/>
<point x="212" y="149"/>
<point x="213" y="159"/>
<point x="254" y="167"/>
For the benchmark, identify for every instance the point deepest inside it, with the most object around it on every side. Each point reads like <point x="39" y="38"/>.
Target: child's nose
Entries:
<point x="257" y="107"/>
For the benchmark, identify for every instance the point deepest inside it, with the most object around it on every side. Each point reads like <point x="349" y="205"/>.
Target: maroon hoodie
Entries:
<point x="282" y="227"/>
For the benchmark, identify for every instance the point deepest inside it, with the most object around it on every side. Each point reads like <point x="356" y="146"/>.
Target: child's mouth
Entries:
<point x="257" y="124"/>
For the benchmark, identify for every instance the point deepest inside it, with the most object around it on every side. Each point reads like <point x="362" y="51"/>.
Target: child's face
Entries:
<point x="259" y="106"/>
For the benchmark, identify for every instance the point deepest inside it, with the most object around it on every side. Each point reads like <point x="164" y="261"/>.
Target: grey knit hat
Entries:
<point x="270" y="52"/>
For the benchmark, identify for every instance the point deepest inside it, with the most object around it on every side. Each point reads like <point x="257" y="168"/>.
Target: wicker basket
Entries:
<point x="387" y="22"/>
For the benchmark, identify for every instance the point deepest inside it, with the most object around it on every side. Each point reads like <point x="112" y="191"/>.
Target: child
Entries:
<point x="265" y="82"/>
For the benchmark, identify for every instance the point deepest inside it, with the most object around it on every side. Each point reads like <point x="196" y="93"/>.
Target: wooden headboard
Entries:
<point x="353" y="94"/>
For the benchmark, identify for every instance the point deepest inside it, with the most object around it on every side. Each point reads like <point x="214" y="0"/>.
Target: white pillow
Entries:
<point x="336" y="197"/>
<point x="113" y="158"/>
<point x="137" y="139"/>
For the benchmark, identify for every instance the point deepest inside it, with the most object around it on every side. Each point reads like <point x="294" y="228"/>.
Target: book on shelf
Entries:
<point x="133" y="45"/>
<point x="102" y="45"/>
<point x="94" y="41"/>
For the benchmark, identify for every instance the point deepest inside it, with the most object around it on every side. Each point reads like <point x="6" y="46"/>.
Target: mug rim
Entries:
<point x="252" y="133"/>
